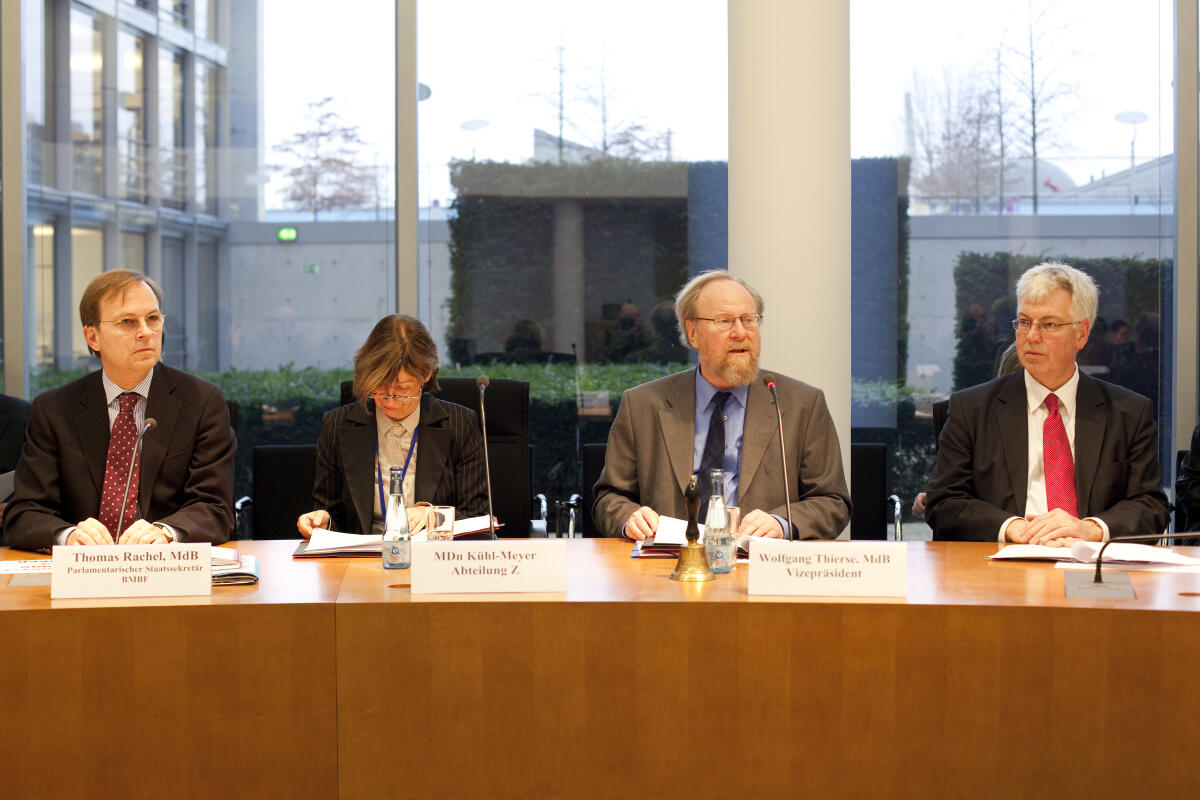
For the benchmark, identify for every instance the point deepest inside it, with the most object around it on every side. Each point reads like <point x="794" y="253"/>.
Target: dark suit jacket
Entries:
<point x="1187" y="489"/>
<point x="651" y="446"/>
<point x="14" y="416"/>
<point x="450" y="468"/>
<point x="981" y="474"/>
<point x="186" y="473"/>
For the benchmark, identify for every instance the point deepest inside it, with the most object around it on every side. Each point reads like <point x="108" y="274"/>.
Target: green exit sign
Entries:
<point x="286" y="234"/>
<point x="311" y="269"/>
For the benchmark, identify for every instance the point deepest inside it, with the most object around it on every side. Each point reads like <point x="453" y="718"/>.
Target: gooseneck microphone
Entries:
<point x="769" y="382"/>
<point x="482" y="383"/>
<point x="1143" y="537"/>
<point x="147" y="426"/>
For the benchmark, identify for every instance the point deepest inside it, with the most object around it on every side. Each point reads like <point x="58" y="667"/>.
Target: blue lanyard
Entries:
<point x="403" y="472"/>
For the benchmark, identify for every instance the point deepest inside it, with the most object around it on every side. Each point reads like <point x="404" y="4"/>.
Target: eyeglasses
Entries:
<point x="397" y="397"/>
<point x="134" y="324"/>
<point x="1047" y="328"/>
<point x="725" y="322"/>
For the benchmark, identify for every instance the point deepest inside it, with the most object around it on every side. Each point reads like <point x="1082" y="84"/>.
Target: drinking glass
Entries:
<point x="439" y="523"/>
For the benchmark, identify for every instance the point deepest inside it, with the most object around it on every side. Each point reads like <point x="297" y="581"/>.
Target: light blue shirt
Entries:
<point x="735" y="424"/>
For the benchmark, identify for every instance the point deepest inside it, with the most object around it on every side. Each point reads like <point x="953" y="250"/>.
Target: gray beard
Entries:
<point x="736" y="375"/>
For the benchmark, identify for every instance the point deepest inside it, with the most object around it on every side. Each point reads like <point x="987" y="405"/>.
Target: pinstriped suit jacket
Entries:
<point x="450" y="468"/>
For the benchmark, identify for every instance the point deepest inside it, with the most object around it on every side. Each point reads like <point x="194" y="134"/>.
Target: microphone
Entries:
<point x="769" y="382"/>
<point x="1142" y="537"/>
<point x="147" y="426"/>
<point x="482" y="383"/>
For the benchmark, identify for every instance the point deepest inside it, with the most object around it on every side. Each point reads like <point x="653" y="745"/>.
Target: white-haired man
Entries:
<point x="721" y="416"/>
<point x="1048" y="455"/>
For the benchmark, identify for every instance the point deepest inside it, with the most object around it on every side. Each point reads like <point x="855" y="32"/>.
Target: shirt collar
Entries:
<point x="112" y="391"/>
<point x="1035" y="393"/>
<point x="384" y="423"/>
<point x="705" y="392"/>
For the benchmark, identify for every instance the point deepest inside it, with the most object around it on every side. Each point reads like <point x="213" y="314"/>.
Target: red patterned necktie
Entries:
<point x="116" y="469"/>
<point x="1060" y="468"/>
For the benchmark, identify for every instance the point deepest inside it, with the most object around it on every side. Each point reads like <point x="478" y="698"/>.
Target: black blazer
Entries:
<point x="450" y="468"/>
<point x="186" y="473"/>
<point x="981" y="473"/>
<point x="14" y="415"/>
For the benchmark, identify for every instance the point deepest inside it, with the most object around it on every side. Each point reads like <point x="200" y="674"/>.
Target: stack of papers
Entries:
<point x="1119" y="553"/>
<point x="326" y="544"/>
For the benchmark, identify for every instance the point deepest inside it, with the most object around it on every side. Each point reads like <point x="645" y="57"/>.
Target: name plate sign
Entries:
<point x="536" y="565"/>
<point x="829" y="569"/>
<point x="131" y="570"/>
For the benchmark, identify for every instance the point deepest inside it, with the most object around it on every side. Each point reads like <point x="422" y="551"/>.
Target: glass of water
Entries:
<point x="439" y="523"/>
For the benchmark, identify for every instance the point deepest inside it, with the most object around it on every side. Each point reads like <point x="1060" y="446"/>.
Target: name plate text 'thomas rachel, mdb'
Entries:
<point x="131" y="570"/>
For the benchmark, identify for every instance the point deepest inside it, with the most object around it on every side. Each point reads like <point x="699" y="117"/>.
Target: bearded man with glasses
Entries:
<point x="721" y="416"/>
<point x="1048" y="455"/>
<point x="81" y="442"/>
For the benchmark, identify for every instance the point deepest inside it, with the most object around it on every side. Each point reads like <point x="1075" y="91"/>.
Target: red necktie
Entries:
<point x="116" y="469"/>
<point x="1056" y="455"/>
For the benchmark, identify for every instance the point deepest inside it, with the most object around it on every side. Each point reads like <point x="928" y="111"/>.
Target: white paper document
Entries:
<point x="1085" y="553"/>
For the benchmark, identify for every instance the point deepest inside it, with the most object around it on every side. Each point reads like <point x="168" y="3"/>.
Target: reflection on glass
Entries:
<point x="87" y="261"/>
<point x="205" y="135"/>
<point x="172" y="158"/>
<point x="959" y="186"/>
<point x="574" y="168"/>
<point x="87" y="107"/>
<point x="43" y="288"/>
<point x="131" y="115"/>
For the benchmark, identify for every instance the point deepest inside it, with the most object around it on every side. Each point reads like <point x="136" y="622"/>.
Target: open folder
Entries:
<point x="334" y="544"/>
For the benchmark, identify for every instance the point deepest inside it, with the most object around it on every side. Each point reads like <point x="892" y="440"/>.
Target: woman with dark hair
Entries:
<point x="395" y="422"/>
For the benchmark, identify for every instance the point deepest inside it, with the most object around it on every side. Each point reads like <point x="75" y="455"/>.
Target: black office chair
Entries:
<point x="941" y="412"/>
<point x="508" y="443"/>
<point x="593" y="465"/>
<point x="868" y="493"/>
<point x="282" y="489"/>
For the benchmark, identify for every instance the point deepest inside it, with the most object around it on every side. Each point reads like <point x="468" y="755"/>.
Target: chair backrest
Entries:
<point x="283" y="488"/>
<point x="507" y="440"/>
<point x="941" y="410"/>
<point x="593" y="465"/>
<point x="868" y="490"/>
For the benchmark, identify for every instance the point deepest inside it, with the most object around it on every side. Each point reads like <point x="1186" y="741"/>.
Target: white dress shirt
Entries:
<point x="1035" y="482"/>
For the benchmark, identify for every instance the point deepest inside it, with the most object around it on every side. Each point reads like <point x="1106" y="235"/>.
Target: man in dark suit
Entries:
<point x="70" y="482"/>
<point x="1048" y="455"/>
<point x="721" y="416"/>
<point x="14" y="416"/>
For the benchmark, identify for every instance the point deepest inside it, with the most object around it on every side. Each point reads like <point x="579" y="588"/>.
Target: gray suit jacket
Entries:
<point x="186" y="473"/>
<point x="981" y="474"/>
<point x="650" y="454"/>
<point x="450" y="468"/>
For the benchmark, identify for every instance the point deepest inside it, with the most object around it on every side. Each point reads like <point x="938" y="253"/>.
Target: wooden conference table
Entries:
<point x="329" y="679"/>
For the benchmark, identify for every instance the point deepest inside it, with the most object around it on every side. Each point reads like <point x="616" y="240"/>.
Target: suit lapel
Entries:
<point x="677" y="421"/>
<point x="91" y="425"/>
<point x="1091" y="418"/>
<point x="1012" y="420"/>
<point x="433" y="449"/>
<point x="761" y="428"/>
<point x="358" y="442"/>
<point x="163" y="406"/>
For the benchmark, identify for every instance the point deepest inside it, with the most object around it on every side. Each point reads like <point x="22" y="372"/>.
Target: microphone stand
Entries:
<point x="482" y="383"/>
<point x="787" y="485"/>
<point x="1144" y="537"/>
<point x="137" y="449"/>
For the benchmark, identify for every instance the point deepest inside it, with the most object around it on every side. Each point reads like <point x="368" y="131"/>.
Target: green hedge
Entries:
<point x="285" y="406"/>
